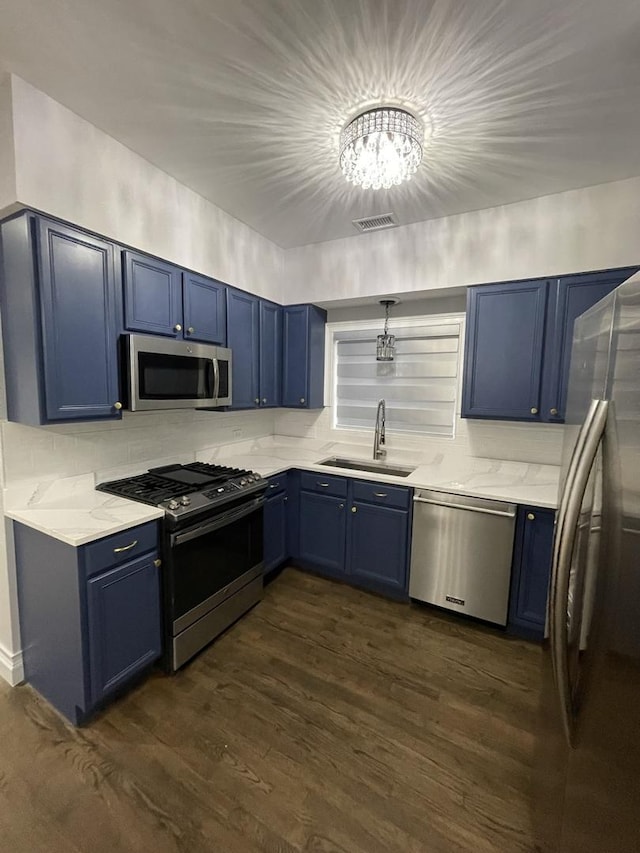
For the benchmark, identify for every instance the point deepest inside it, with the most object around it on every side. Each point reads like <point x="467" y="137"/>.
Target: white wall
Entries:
<point x="587" y="229"/>
<point x="7" y="160"/>
<point x="68" y="168"/>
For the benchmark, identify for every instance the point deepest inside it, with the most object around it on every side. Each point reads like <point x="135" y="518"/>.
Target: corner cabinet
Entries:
<point x="531" y="572"/>
<point x="303" y="332"/>
<point x="162" y="299"/>
<point x="60" y="303"/>
<point x="276" y="544"/>
<point x="254" y="334"/>
<point x="90" y="617"/>
<point x="518" y="344"/>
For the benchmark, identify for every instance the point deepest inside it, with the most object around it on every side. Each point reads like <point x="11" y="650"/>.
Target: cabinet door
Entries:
<point x="204" y="303"/>
<point x="270" y="353"/>
<point x="503" y="351"/>
<point x="303" y="332"/>
<point x="570" y="297"/>
<point x="378" y="540"/>
<point x="322" y="534"/>
<point x="275" y="531"/>
<point x="243" y="337"/>
<point x="531" y="571"/>
<point x="79" y="324"/>
<point x="152" y="296"/>
<point x="124" y="624"/>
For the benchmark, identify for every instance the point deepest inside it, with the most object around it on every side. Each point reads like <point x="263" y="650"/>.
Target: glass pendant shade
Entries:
<point x="381" y="148"/>
<point x="386" y="343"/>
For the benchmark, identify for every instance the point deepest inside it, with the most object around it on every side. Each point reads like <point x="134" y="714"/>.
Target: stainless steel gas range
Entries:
<point x="212" y="548"/>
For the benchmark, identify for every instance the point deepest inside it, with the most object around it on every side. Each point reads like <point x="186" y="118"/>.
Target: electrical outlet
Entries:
<point x="237" y="433"/>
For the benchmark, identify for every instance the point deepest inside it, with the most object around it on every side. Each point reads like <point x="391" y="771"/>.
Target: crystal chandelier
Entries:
<point x="381" y="147"/>
<point x="386" y="343"/>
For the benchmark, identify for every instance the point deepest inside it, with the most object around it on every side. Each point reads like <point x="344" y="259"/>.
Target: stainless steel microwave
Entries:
<point x="165" y="373"/>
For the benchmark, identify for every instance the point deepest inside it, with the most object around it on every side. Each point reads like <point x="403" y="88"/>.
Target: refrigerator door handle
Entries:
<point x="568" y="522"/>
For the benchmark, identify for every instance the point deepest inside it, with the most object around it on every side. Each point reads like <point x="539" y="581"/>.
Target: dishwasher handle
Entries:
<point x="470" y="507"/>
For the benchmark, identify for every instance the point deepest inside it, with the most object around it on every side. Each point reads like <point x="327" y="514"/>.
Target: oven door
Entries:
<point x="212" y="560"/>
<point x="171" y="374"/>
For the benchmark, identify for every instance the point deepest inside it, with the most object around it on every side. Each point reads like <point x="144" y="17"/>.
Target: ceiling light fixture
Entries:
<point x="381" y="148"/>
<point x="386" y="343"/>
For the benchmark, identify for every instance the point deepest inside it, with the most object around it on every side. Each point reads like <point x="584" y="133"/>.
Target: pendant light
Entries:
<point x="386" y="343"/>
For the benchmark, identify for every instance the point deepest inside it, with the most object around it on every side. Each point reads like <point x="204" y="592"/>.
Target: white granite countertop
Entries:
<point x="73" y="511"/>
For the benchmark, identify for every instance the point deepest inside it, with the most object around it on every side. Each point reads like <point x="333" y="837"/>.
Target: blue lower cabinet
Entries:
<point x="90" y="617"/>
<point x="531" y="572"/>
<point x="123" y="619"/>
<point x="276" y="543"/>
<point x="378" y="542"/>
<point x="322" y="533"/>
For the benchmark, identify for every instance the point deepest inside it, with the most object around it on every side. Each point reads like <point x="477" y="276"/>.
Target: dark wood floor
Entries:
<point x="328" y="720"/>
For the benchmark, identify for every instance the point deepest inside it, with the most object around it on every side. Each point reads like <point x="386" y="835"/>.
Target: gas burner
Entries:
<point x="187" y="490"/>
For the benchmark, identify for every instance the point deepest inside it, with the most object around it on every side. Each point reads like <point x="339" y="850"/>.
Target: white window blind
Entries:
<point x="419" y="385"/>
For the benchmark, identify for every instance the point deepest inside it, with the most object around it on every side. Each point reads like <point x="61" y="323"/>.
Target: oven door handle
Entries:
<point x="219" y="522"/>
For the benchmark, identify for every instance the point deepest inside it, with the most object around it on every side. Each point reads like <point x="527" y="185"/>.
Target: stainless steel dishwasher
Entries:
<point x="461" y="554"/>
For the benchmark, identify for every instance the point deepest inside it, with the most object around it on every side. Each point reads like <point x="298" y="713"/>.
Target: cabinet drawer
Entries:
<point x="381" y="493"/>
<point x="120" y="548"/>
<point x="277" y="484"/>
<point x="327" y="485"/>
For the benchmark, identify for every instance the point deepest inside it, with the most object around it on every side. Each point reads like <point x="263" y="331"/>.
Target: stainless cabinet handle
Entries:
<point x="531" y="516"/>
<point x="567" y="524"/>
<point x="177" y="327"/>
<point x="257" y="401"/>
<point x="534" y="411"/>
<point x="449" y="505"/>
<point x="190" y="330"/>
<point x="157" y="563"/>
<point x="125" y="547"/>
<point x="354" y="509"/>
<point x="264" y="401"/>
<point x="380" y="494"/>
<point x="285" y="500"/>
<point x="553" y="411"/>
<point x="274" y="485"/>
<point x="324" y="485"/>
<point x="340" y="506"/>
<point x="302" y="399"/>
<point x="117" y="406"/>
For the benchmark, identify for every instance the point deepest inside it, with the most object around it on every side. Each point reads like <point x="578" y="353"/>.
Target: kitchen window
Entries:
<point x="420" y="385"/>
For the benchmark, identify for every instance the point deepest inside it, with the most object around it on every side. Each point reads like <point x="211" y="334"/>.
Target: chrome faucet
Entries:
<point x="379" y="434"/>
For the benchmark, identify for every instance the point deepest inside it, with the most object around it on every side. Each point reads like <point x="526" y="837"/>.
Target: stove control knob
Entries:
<point x="185" y="500"/>
<point x="221" y="490"/>
<point x="173" y="504"/>
<point x="243" y="482"/>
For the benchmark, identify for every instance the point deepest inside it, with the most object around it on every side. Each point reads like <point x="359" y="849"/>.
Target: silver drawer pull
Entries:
<point x="380" y="494"/>
<point x="324" y="485"/>
<point x="274" y="485"/>
<point x="469" y="508"/>
<point x="125" y="547"/>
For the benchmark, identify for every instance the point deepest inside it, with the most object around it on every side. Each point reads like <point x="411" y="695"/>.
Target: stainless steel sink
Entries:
<point x="372" y="467"/>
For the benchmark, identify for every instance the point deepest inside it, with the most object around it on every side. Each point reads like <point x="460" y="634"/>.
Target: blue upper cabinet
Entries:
<point x="152" y="295"/>
<point x="570" y="297"/>
<point x="243" y="337"/>
<point x="270" y="353"/>
<point x="60" y="332"/>
<point x="303" y="356"/>
<point x="518" y="344"/>
<point x="503" y="351"/>
<point x="204" y="303"/>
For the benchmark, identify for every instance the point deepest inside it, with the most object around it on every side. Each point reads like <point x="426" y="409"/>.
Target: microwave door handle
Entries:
<point x="216" y="379"/>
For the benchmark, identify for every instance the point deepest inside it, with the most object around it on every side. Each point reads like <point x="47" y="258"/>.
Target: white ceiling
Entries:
<point x="243" y="100"/>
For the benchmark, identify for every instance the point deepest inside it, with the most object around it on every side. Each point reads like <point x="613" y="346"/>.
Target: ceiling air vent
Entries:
<point x="375" y="223"/>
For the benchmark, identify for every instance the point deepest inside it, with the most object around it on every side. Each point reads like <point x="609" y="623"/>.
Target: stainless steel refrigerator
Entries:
<point x="587" y="780"/>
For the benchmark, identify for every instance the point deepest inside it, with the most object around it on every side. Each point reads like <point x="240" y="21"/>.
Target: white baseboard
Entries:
<point x="11" y="666"/>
